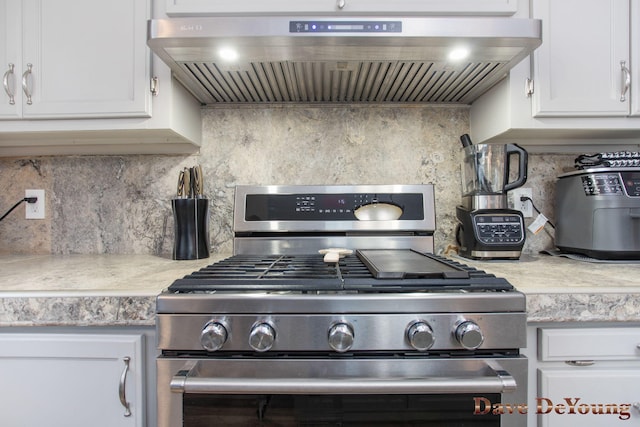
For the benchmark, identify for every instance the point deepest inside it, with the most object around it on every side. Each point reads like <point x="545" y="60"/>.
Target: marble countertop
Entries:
<point x="120" y="290"/>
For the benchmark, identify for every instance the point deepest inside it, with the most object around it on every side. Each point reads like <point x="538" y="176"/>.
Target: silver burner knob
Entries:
<point x="262" y="337"/>
<point x="341" y="337"/>
<point x="469" y="335"/>
<point x="420" y="335"/>
<point x="213" y="336"/>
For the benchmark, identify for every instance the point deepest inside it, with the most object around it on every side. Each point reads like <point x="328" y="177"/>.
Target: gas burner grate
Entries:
<point x="308" y="272"/>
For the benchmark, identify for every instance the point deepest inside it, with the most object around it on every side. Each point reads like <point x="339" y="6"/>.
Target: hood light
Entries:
<point x="228" y="54"/>
<point x="458" y="54"/>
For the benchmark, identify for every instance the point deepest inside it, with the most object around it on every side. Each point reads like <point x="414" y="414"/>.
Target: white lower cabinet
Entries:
<point x="72" y="380"/>
<point x="586" y="376"/>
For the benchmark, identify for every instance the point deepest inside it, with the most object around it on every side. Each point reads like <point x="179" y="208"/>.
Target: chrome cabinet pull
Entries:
<point x="626" y="80"/>
<point x="5" y="83"/>
<point x="341" y="4"/>
<point x="25" y="83"/>
<point x="155" y="86"/>
<point x="122" y="388"/>
<point x="580" y="362"/>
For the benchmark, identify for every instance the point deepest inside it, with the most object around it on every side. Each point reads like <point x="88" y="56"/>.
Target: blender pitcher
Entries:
<point x="486" y="172"/>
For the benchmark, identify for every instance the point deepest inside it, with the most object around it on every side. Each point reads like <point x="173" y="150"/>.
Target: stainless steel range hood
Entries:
<point x="294" y="59"/>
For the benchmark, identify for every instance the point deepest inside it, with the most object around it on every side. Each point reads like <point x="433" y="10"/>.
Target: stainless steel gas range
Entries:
<point x="284" y="334"/>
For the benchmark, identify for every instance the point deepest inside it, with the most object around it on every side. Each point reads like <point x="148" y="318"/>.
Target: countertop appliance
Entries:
<point x="275" y="334"/>
<point x="598" y="212"/>
<point x="341" y="59"/>
<point x="487" y="228"/>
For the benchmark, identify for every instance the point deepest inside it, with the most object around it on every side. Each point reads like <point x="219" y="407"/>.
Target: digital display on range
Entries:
<point x="325" y="207"/>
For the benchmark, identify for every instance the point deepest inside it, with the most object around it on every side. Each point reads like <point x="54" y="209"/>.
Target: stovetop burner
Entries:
<point x="366" y="271"/>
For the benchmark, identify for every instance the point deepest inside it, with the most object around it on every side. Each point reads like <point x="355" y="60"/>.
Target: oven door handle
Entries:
<point x="188" y="381"/>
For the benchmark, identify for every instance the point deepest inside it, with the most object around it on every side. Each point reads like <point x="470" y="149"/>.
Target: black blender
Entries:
<point x="487" y="228"/>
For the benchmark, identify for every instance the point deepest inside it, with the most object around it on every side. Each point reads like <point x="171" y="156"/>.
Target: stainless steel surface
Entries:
<point x="438" y="376"/>
<point x="262" y="337"/>
<point x="122" y="388"/>
<point x="353" y="226"/>
<point x="301" y="244"/>
<point x="276" y="65"/>
<point x="25" y="83"/>
<point x="340" y="377"/>
<point x="225" y="303"/>
<point x="420" y="335"/>
<point x="457" y="333"/>
<point x="341" y="337"/>
<point x="485" y="201"/>
<point x="506" y="254"/>
<point x="469" y="335"/>
<point x="374" y="332"/>
<point x="5" y="84"/>
<point x="213" y="336"/>
<point x="626" y="81"/>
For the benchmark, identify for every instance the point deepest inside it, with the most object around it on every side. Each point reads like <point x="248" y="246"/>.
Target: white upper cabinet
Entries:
<point x="581" y="67"/>
<point x="77" y="77"/>
<point x="579" y="88"/>
<point x="221" y="7"/>
<point x="75" y="58"/>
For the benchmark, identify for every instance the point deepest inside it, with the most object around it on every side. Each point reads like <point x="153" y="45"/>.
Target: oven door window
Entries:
<point x="445" y="410"/>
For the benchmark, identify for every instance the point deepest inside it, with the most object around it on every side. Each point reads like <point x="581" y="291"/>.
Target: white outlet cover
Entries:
<point x="34" y="210"/>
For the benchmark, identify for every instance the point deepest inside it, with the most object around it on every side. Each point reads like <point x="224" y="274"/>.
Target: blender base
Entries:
<point x="490" y="233"/>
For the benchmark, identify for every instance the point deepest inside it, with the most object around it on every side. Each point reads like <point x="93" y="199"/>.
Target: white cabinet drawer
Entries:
<point x="588" y="344"/>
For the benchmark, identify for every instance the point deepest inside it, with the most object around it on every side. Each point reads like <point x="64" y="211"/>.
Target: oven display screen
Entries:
<point x="325" y="207"/>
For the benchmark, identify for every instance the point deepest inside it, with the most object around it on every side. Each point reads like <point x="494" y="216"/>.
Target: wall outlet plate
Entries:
<point x="34" y="210"/>
<point x="514" y="202"/>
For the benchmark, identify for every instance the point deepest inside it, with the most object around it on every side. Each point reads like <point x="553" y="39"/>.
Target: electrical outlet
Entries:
<point x="34" y="210"/>
<point x="524" y="206"/>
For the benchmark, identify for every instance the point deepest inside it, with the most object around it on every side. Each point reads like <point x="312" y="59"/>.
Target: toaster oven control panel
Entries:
<point x="613" y="184"/>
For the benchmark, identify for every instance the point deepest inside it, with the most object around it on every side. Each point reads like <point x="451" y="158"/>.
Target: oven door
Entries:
<point x="381" y="391"/>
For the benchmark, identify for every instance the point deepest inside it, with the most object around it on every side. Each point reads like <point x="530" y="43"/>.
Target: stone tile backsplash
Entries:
<point x="121" y="204"/>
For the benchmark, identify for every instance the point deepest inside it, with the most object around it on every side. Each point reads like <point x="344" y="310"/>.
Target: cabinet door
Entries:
<point x="577" y="69"/>
<point x="591" y="396"/>
<point x="71" y="380"/>
<point x="10" y="45"/>
<point x="635" y="54"/>
<point x="88" y="58"/>
<point x="465" y="7"/>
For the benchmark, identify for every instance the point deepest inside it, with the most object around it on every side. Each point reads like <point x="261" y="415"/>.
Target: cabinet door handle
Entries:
<point x="580" y="362"/>
<point x="341" y="4"/>
<point x="122" y="388"/>
<point x="25" y="83"/>
<point x="5" y="83"/>
<point x="626" y="80"/>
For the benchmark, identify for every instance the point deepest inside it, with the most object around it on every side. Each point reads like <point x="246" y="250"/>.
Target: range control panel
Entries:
<point x="500" y="229"/>
<point x="612" y="183"/>
<point x="326" y="207"/>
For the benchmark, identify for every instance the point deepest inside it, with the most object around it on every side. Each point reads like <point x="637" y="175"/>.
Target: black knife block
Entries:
<point x="191" y="228"/>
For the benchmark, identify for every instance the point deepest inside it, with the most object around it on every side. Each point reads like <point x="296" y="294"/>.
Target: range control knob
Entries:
<point x="420" y="335"/>
<point x="213" y="336"/>
<point x="341" y="337"/>
<point x="262" y="337"/>
<point x="469" y="335"/>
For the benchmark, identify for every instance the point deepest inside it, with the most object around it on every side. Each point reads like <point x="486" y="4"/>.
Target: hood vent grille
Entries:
<point x="278" y="64"/>
<point x="341" y="81"/>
